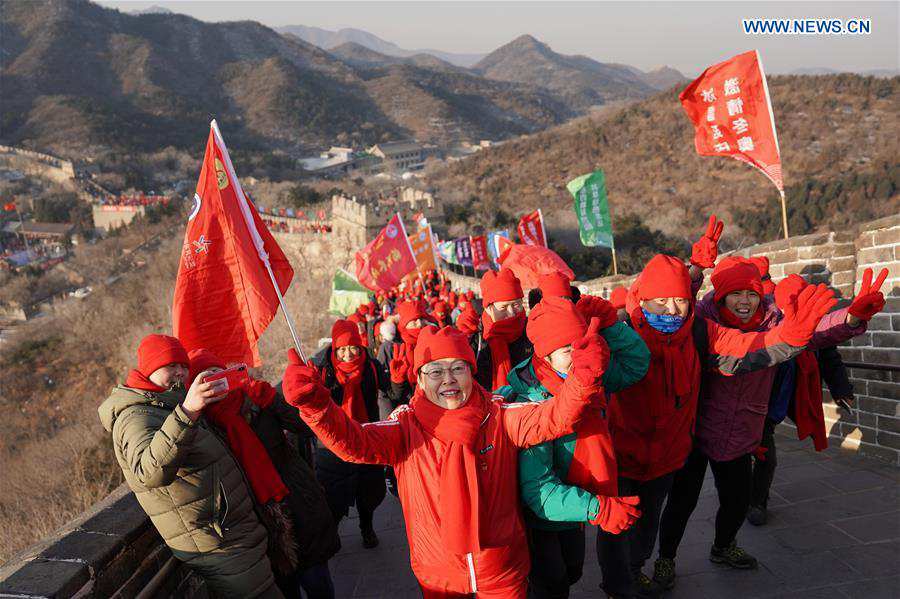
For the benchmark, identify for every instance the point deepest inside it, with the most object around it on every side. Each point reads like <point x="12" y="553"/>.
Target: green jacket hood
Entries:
<point x="123" y="397"/>
<point x="523" y="382"/>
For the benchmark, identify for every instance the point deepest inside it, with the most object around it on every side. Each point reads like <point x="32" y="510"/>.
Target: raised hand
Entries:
<point x="300" y="381"/>
<point x="590" y="356"/>
<point x="870" y="300"/>
<point x="591" y="306"/>
<point x="399" y="366"/>
<point x="803" y="313"/>
<point x="705" y="251"/>
<point x="617" y="514"/>
<point x="201" y="394"/>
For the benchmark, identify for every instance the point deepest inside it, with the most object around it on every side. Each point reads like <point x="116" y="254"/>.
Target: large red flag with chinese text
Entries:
<point x="531" y="229"/>
<point x="224" y="295"/>
<point x="386" y="259"/>
<point x="732" y="114"/>
<point x="480" y="259"/>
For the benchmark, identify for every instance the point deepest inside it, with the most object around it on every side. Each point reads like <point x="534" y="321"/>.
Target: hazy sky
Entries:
<point x="686" y="35"/>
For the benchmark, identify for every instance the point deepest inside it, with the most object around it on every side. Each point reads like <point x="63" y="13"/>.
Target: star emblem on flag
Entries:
<point x="201" y="245"/>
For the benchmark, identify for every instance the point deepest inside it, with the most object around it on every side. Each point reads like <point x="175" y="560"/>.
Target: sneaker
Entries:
<point x="646" y="588"/>
<point x="664" y="573"/>
<point x="733" y="556"/>
<point x="757" y="516"/>
<point x="370" y="539"/>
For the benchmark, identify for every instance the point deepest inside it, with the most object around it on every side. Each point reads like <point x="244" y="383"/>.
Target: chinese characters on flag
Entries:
<point x="531" y="229"/>
<point x="423" y="249"/>
<point x="386" y="259"/>
<point x="480" y="253"/>
<point x="463" y="251"/>
<point x="732" y="114"/>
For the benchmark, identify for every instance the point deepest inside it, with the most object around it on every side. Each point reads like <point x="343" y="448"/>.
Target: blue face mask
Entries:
<point x="664" y="323"/>
<point x="562" y="375"/>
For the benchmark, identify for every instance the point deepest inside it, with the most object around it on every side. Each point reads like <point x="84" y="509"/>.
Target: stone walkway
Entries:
<point x="833" y="533"/>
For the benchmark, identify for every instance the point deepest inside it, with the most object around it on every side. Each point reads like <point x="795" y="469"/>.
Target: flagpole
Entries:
<point x="784" y="214"/>
<point x="762" y="74"/>
<point x="615" y="266"/>
<point x="257" y="240"/>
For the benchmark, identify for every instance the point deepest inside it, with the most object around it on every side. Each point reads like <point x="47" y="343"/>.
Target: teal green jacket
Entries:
<point x="551" y="503"/>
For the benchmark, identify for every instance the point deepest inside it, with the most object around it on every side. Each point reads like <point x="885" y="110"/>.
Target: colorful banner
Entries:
<point x="386" y="259"/>
<point x="447" y="251"/>
<point x="423" y="249"/>
<point x="463" y="251"/>
<point x="346" y="294"/>
<point x="732" y="114"/>
<point x="531" y="229"/>
<point x="493" y="240"/>
<point x="592" y="209"/>
<point x="480" y="260"/>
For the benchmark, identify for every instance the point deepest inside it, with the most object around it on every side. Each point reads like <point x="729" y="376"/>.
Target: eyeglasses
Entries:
<point x="456" y="371"/>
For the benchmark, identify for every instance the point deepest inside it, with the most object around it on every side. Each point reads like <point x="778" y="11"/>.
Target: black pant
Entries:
<point x="733" y="480"/>
<point x="557" y="561"/>
<point x="314" y="582"/>
<point x="623" y="555"/>
<point x="764" y="470"/>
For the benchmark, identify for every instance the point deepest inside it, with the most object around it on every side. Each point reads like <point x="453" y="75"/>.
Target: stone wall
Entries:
<point x="51" y="167"/>
<point x="837" y="259"/>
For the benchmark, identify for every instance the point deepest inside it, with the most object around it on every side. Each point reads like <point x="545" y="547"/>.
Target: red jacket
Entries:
<point x="653" y="431"/>
<point x="403" y="443"/>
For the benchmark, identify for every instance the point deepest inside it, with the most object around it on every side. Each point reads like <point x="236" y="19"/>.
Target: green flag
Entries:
<point x="594" y="224"/>
<point x="346" y="294"/>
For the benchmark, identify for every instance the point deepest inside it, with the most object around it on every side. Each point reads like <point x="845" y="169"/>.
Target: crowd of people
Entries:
<point x="505" y="424"/>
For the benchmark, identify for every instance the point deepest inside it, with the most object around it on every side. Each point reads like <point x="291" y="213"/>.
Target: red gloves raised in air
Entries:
<point x="869" y="301"/>
<point x="617" y="513"/>
<point x="705" y="251"/>
<point x="591" y="306"/>
<point x="399" y="365"/>
<point x="590" y="356"/>
<point x="301" y="382"/>
<point x="804" y="306"/>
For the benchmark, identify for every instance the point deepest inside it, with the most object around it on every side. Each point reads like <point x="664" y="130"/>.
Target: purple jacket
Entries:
<point x="732" y="410"/>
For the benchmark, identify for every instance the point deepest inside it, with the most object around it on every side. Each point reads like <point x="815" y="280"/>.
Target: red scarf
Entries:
<point x="349" y="376"/>
<point x="674" y="353"/>
<point x="593" y="466"/>
<point x="499" y="335"/>
<point x="247" y="448"/>
<point x="807" y="412"/>
<point x="138" y="380"/>
<point x="459" y="490"/>
<point x="730" y="319"/>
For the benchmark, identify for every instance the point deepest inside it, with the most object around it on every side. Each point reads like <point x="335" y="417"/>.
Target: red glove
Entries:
<point x="788" y="289"/>
<point x="260" y="393"/>
<point x="869" y="301"/>
<point x="803" y="313"/>
<point x="706" y="250"/>
<point x="617" y="513"/>
<point x="590" y="356"/>
<point x="760" y="453"/>
<point x="301" y="382"/>
<point x="592" y="306"/>
<point x="399" y="366"/>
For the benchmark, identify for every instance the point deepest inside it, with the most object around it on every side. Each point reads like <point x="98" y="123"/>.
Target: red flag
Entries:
<point x="9" y="206"/>
<point x="224" y="295"/>
<point x="531" y="229"/>
<point x="732" y="114"/>
<point x="480" y="260"/>
<point x="383" y="263"/>
<point x="528" y="263"/>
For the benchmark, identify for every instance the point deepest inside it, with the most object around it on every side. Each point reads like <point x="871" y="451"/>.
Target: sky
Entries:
<point x="686" y="35"/>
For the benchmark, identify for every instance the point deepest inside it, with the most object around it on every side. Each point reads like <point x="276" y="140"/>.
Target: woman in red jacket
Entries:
<point x="652" y="421"/>
<point x="455" y="452"/>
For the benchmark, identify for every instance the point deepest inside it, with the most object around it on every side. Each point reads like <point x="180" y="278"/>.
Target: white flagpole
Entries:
<point x="254" y="235"/>
<point x="762" y="74"/>
<point x="543" y="227"/>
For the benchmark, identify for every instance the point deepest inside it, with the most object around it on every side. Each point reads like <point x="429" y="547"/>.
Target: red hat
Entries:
<point x="618" y="296"/>
<point x="735" y="273"/>
<point x="200" y="360"/>
<point x="156" y="351"/>
<point x="344" y="333"/>
<point x="437" y="344"/>
<point x="554" y="323"/>
<point x="470" y="295"/>
<point x="357" y="318"/>
<point x="555" y="284"/>
<point x="410" y="311"/>
<point x="762" y="265"/>
<point x="500" y="286"/>
<point x="663" y="276"/>
<point x="363" y="309"/>
<point x="440" y="307"/>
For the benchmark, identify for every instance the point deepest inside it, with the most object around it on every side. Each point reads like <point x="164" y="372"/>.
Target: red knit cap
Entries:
<point x="363" y="309"/>
<point x="440" y="307"/>
<point x="470" y="295"/>
<point x="500" y="287"/>
<point x="663" y="276"/>
<point x="156" y="351"/>
<point x="735" y="274"/>
<point x="410" y="311"/>
<point x="344" y="333"/>
<point x="555" y="284"/>
<point x="762" y="265"/>
<point x="200" y="360"/>
<point x="357" y="318"/>
<point x="554" y="323"/>
<point x="618" y="296"/>
<point x="437" y="344"/>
